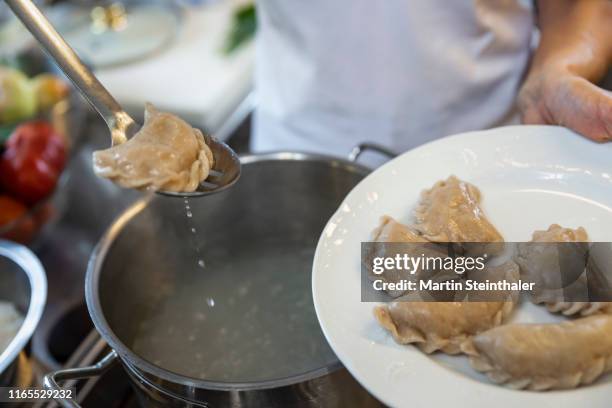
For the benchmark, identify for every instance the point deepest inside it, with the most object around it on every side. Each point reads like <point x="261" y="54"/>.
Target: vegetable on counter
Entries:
<point x="22" y="98"/>
<point x="17" y="97"/>
<point x="32" y="153"/>
<point x="12" y="210"/>
<point x="49" y="90"/>
<point x="32" y="161"/>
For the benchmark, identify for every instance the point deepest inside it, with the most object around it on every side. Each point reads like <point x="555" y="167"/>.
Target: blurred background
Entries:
<point x="191" y="57"/>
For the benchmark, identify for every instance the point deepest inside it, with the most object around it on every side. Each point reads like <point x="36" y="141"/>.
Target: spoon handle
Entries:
<point x="118" y="121"/>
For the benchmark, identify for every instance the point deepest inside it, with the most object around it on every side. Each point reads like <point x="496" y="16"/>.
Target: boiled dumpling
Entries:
<point x="450" y="211"/>
<point x="166" y="154"/>
<point x="444" y="326"/>
<point x="558" y="271"/>
<point x="544" y="356"/>
<point x="392" y="237"/>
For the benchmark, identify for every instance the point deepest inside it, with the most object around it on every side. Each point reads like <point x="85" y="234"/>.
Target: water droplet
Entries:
<point x="189" y="214"/>
<point x="193" y="230"/>
<point x="201" y="263"/>
<point x="211" y="302"/>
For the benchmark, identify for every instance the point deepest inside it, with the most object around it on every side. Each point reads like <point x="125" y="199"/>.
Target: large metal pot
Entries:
<point x="278" y="208"/>
<point x="23" y="283"/>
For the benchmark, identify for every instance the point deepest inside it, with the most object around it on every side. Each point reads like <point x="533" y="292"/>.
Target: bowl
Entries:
<point x="24" y="284"/>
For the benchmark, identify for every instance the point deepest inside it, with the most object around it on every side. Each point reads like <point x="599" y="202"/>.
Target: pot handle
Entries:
<point x="51" y="380"/>
<point x="362" y="147"/>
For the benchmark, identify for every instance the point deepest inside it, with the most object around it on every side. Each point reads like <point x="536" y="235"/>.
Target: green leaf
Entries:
<point x="243" y="28"/>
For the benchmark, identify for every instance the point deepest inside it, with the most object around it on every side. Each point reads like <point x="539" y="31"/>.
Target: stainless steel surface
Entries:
<point x="125" y="280"/>
<point x="364" y="147"/>
<point x="121" y="125"/>
<point x="23" y="283"/>
<point x="60" y="333"/>
<point x="111" y="389"/>
<point x="51" y="379"/>
<point x="337" y="389"/>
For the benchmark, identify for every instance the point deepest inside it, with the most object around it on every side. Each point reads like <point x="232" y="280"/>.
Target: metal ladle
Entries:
<point x="226" y="169"/>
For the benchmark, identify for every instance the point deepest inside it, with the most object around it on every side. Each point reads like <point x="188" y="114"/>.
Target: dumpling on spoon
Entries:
<point x="450" y="211"/>
<point x="165" y="154"/>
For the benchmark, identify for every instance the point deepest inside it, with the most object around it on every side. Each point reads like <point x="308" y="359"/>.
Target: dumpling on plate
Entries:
<point x="389" y="230"/>
<point x="582" y="308"/>
<point x="544" y="356"/>
<point x="558" y="271"/>
<point x="508" y="271"/>
<point x="444" y="326"/>
<point x="392" y="238"/>
<point x="450" y="211"/>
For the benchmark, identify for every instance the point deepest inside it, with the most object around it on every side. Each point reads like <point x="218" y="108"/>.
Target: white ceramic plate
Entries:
<point x="530" y="177"/>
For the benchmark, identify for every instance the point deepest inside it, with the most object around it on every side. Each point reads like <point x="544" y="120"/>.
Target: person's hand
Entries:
<point x="557" y="96"/>
<point x="575" y="51"/>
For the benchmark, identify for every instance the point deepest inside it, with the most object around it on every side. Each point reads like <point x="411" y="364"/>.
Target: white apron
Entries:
<point x="333" y="73"/>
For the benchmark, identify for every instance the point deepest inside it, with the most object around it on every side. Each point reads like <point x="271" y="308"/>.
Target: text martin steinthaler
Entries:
<point x="459" y="265"/>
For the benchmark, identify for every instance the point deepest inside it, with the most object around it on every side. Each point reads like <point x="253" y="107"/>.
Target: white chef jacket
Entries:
<point x="333" y="73"/>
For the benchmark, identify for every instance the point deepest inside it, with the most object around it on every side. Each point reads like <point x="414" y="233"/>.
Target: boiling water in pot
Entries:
<point x="262" y="328"/>
<point x="247" y="315"/>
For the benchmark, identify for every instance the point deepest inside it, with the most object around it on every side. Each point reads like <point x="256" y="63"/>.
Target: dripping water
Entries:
<point x="194" y="231"/>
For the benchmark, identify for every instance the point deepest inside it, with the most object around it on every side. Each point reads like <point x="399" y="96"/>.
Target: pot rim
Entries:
<point x="96" y="313"/>
<point x="31" y="266"/>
